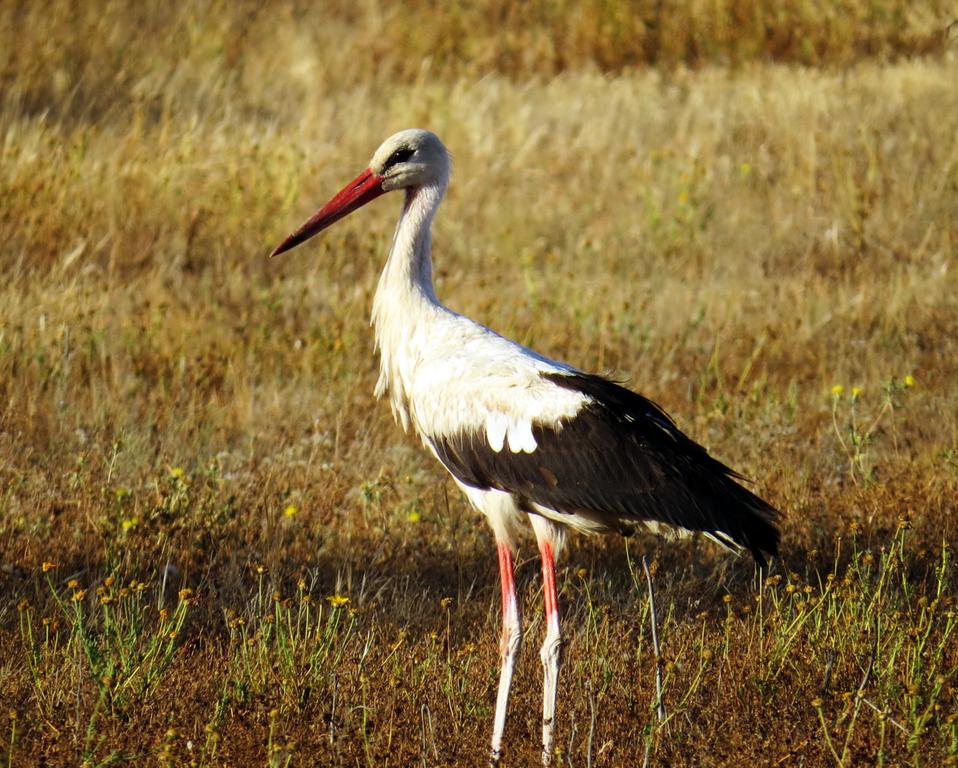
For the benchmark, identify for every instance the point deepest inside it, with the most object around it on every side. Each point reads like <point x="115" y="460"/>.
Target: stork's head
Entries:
<point x="409" y="159"/>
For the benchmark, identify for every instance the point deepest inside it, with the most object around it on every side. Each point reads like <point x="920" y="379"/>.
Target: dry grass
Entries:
<point x="187" y="430"/>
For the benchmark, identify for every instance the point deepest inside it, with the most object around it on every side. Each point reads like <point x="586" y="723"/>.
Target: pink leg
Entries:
<point x="551" y="652"/>
<point x="509" y="647"/>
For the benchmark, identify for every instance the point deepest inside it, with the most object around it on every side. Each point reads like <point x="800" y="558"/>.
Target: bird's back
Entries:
<point x="575" y="447"/>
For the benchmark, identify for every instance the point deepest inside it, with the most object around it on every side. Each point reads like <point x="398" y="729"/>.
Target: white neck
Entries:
<point x="405" y="298"/>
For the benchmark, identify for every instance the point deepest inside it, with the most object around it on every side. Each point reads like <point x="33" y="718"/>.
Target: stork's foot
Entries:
<point x="551" y="654"/>
<point x="546" y="755"/>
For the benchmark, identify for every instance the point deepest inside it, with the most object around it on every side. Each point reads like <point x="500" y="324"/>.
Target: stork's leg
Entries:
<point x="509" y="647"/>
<point x="549" y="539"/>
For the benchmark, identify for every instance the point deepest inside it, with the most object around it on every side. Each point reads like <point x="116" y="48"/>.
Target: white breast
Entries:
<point x="462" y="377"/>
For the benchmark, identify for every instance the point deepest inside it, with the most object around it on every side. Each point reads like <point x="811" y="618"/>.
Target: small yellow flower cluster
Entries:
<point x="233" y="620"/>
<point x="104" y="591"/>
<point x="52" y="622"/>
<point x="177" y="473"/>
<point x="337" y="600"/>
<point x="838" y="390"/>
<point x="290" y="511"/>
<point x="906" y="382"/>
<point x="467" y="650"/>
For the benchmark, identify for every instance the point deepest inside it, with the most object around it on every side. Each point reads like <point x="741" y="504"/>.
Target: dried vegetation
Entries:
<point x="216" y="548"/>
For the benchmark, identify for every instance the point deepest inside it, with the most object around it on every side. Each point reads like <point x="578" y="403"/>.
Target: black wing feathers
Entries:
<point x="621" y="459"/>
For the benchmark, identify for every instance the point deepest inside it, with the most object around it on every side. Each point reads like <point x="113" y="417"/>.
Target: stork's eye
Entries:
<point x="401" y="155"/>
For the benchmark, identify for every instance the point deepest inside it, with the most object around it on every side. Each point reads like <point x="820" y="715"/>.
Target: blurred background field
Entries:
<point x="215" y="546"/>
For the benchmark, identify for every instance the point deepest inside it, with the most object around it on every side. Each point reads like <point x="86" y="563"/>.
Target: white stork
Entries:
<point x="523" y="436"/>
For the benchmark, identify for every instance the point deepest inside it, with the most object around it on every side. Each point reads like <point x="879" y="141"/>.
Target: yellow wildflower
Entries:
<point x="908" y="381"/>
<point x="47" y="566"/>
<point x="413" y="516"/>
<point x="856" y="391"/>
<point x="177" y="472"/>
<point x="291" y="510"/>
<point x="837" y="390"/>
<point x="337" y="600"/>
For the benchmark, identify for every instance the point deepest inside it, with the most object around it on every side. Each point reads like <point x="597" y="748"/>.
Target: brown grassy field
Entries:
<point x="216" y="549"/>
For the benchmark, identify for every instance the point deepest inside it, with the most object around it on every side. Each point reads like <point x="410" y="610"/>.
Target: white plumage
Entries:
<point x="525" y="437"/>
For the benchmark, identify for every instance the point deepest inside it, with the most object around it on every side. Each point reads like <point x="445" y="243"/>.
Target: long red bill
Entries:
<point x="365" y="187"/>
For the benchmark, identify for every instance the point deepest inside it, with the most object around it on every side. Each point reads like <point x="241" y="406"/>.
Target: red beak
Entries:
<point x="365" y="187"/>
